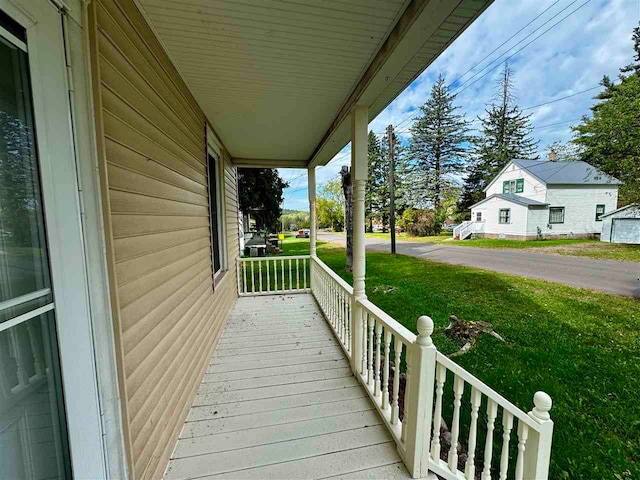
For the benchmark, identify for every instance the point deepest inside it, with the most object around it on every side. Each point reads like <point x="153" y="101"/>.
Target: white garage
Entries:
<point x="621" y="225"/>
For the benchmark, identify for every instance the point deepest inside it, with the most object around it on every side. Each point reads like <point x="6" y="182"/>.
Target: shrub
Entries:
<point x="419" y="223"/>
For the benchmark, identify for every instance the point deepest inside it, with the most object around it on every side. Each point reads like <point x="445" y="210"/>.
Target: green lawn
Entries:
<point x="581" y="347"/>
<point x="573" y="247"/>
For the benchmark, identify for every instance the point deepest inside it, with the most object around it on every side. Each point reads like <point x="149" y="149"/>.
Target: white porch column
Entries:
<point x="311" y="175"/>
<point x="359" y="159"/>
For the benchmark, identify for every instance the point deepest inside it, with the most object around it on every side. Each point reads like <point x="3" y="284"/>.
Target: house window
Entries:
<point x="505" y="215"/>
<point x="599" y="212"/>
<point x="556" y="215"/>
<point x="513" y="186"/>
<point x="478" y="216"/>
<point x="215" y="212"/>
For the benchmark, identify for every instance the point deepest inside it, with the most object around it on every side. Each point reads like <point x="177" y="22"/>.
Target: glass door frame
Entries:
<point x="60" y="193"/>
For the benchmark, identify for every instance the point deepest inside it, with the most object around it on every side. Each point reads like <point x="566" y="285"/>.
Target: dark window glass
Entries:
<point x="213" y="201"/>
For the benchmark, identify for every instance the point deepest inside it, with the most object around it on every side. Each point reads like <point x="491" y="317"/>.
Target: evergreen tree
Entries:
<point x="505" y="136"/>
<point x="260" y="191"/>
<point x="610" y="139"/>
<point x="399" y="161"/>
<point x="437" y="146"/>
<point x="376" y="180"/>
<point x="634" y="67"/>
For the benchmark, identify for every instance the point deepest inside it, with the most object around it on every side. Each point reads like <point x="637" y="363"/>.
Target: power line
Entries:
<point x="505" y="42"/>
<point x="561" y="98"/>
<point x="415" y="112"/>
<point x="524" y="46"/>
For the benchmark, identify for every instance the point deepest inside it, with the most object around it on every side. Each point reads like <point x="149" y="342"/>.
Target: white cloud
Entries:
<point x="569" y="58"/>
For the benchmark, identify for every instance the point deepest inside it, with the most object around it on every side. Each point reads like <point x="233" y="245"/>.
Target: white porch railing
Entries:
<point x="273" y="275"/>
<point x="432" y="392"/>
<point x="467" y="228"/>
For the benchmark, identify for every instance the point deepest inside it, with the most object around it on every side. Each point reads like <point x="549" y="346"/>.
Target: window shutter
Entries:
<point x="520" y="185"/>
<point x="505" y="186"/>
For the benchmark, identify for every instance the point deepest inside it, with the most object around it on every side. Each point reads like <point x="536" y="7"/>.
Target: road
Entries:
<point x="621" y="278"/>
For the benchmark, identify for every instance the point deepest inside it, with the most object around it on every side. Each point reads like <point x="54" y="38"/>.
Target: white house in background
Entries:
<point x="622" y="225"/>
<point x="532" y="199"/>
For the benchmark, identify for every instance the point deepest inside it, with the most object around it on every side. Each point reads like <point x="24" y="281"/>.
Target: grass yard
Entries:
<point x="581" y="347"/>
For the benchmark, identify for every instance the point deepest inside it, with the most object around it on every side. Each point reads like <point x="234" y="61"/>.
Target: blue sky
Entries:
<point x="571" y="57"/>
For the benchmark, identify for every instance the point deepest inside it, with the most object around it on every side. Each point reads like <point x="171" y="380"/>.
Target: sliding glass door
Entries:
<point x="33" y="437"/>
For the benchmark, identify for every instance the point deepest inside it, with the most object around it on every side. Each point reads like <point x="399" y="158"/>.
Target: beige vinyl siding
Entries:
<point x="167" y="316"/>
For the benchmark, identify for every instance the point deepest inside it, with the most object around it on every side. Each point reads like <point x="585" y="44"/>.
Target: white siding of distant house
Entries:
<point x="579" y="202"/>
<point x="491" y="217"/>
<point x="538" y="217"/>
<point x="533" y="188"/>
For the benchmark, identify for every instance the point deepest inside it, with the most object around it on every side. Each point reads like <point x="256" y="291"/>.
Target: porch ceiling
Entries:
<point x="277" y="79"/>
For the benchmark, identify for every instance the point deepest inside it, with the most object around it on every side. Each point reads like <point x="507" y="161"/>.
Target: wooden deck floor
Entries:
<point x="279" y="401"/>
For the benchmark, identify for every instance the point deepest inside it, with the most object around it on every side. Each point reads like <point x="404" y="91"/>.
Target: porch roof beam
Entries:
<point x="268" y="163"/>
<point x="393" y="62"/>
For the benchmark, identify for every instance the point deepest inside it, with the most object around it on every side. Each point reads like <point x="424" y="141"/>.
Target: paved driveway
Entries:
<point x="622" y="278"/>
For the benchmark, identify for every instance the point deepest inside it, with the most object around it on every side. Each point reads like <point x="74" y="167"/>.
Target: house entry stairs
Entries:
<point x="327" y="385"/>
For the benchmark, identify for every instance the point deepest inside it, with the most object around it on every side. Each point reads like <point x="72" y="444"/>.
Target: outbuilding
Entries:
<point x="622" y="225"/>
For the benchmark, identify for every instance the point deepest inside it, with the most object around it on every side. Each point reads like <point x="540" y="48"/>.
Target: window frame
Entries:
<point x="478" y="216"/>
<point x="214" y="157"/>
<point x="599" y="215"/>
<point x="517" y="184"/>
<point x="550" y="213"/>
<point x="508" y="216"/>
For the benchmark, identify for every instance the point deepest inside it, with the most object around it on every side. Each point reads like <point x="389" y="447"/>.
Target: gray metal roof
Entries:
<point x="527" y="202"/>
<point x="566" y="173"/>
<point x="621" y="209"/>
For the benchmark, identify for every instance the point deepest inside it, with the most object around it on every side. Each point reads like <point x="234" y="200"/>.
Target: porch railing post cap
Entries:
<point x="425" y="329"/>
<point x="543" y="403"/>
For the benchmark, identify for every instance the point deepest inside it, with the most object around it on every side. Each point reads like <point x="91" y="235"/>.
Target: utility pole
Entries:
<point x="392" y="193"/>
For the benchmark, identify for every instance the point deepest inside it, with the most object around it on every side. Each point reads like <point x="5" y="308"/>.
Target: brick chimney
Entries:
<point x="553" y="156"/>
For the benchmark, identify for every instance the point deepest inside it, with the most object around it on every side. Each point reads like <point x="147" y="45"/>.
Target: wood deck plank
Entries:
<point x="279" y="400"/>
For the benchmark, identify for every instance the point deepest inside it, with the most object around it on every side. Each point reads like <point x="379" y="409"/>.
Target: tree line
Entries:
<point x="445" y="164"/>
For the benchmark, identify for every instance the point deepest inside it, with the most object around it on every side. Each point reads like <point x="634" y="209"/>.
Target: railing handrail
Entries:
<point x="488" y="391"/>
<point x="334" y="276"/>
<point x="396" y="327"/>
<point x="283" y="257"/>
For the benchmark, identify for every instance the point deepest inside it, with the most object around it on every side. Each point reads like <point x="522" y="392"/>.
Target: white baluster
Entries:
<point x="441" y="378"/>
<point x="470" y="467"/>
<point x="38" y="366"/>
<point x="18" y="355"/>
<point x="523" y="435"/>
<point x="395" y="410"/>
<point x="458" y="390"/>
<point x="385" y="369"/>
<point x="376" y="389"/>
<point x="297" y="275"/>
<point x="253" y="282"/>
<point x="290" y="277"/>
<point x="371" y="324"/>
<point x="364" y="340"/>
<point x="492" y="413"/>
<point x="507" y="425"/>
<point x="405" y="407"/>
<point x="304" y="271"/>
<point x="260" y="275"/>
<point x="275" y="275"/>
<point x="282" y="267"/>
<point x="268" y="279"/>
<point x="238" y="276"/>
<point x="244" y="274"/>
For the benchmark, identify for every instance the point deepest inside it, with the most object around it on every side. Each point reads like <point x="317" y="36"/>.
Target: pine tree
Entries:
<point x="634" y="67"/>
<point x="437" y="146"/>
<point x="610" y="138"/>
<point x="376" y="179"/>
<point x="505" y="136"/>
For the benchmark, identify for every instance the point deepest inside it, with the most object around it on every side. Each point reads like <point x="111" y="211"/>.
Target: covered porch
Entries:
<point x="279" y="400"/>
<point x="310" y="381"/>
